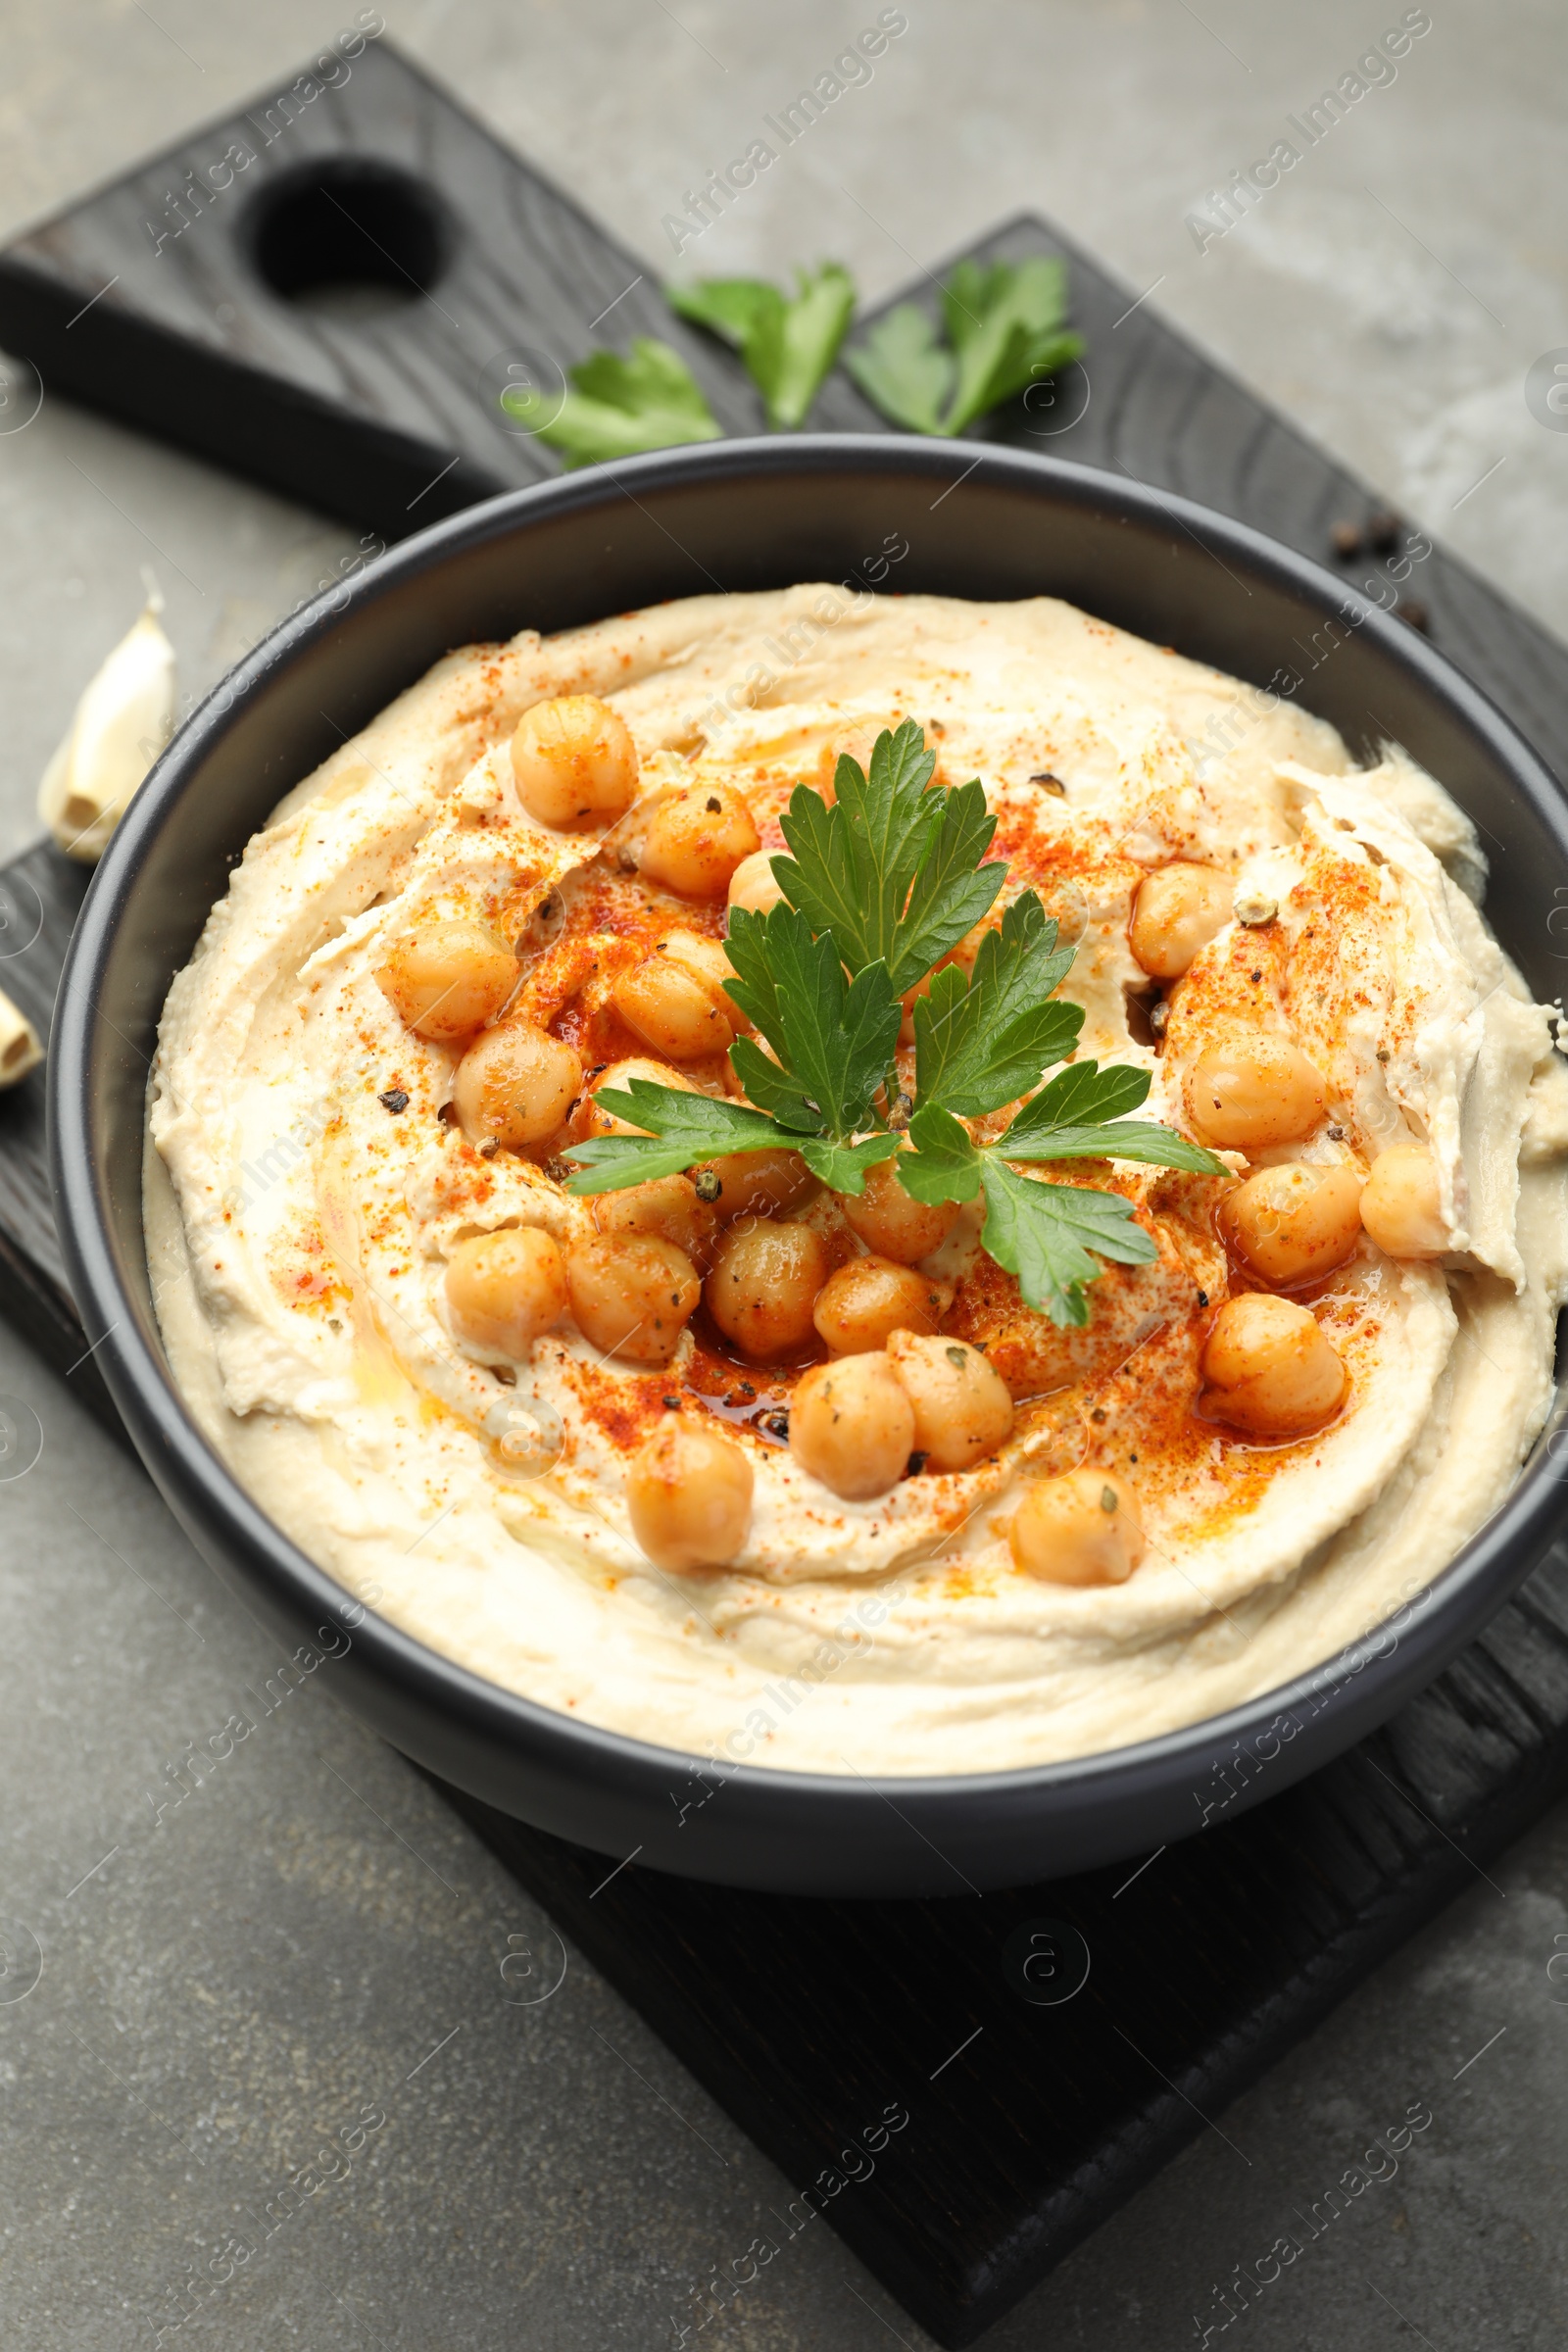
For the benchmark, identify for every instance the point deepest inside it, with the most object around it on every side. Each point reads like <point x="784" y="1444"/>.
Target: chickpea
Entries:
<point x="757" y="1184"/>
<point x="962" y="1411"/>
<point x="671" y="1010"/>
<point x="1270" y="1369"/>
<point x="592" y="1118"/>
<point x="675" y="999"/>
<point x="865" y="1301"/>
<point x="1254" y="1090"/>
<point x="448" y="980"/>
<point x="751" y="884"/>
<point x="631" y="1294"/>
<point x="707" y="960"/>
<point x="1294" y="1221"/>
<point x="851" y="1426"/>
<point x="764" y="1285"/>
<point x="574" y="758"/>
<point x="515" y="1085"/>
<point x="1177" y="911"/>
<point x="697" y="839"/>
<point x="689" y="1495"/>
<point x="504" y="1289"/>
<point x="668" y="1207"/>
<point x="892" y="1224"/>
<point x="1399" y="1207"/>
<point x="1082" y="1528"/>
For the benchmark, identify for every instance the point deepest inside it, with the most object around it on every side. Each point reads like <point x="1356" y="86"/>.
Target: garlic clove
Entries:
<point x="124" y="719"/>
<point x="21" y="1048"/>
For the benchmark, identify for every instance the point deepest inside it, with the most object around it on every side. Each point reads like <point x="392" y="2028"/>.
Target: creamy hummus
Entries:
<point x="307" y="1186"/>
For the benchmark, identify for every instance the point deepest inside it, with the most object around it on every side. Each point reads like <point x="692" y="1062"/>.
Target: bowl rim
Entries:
<point x="1481" y="1573"/>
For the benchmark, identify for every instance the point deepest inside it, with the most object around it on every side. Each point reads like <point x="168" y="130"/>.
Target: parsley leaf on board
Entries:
<point x="1005" y="331"/>
<point x="903" y="371"/>
<point x="618" y="408"/>
<point x="787" y="343"/>
<point x="1005" y="326"/>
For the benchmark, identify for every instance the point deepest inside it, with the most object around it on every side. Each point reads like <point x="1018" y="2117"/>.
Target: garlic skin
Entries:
<point x="21" y="1048"/>
<point x="124" y="719"/>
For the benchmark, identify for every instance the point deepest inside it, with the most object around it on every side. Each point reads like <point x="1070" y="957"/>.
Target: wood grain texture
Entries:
<point x="1027" y="2123"/>
<point x="807" y="2020"/>
<point x="389" y="420"/>
<point x="40" y="897"/>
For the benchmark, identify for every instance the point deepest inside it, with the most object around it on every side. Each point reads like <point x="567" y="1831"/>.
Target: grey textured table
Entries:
<point x="203" y="1992"/>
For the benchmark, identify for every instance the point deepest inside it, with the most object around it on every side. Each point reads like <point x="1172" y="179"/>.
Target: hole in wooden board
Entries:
<point x="349" y="238"/>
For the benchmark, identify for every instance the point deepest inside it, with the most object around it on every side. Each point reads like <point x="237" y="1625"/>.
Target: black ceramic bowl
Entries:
<point x="737" y="515"/>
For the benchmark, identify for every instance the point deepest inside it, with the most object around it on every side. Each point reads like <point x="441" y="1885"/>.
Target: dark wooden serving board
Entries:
<point x="1028" y="2119"/>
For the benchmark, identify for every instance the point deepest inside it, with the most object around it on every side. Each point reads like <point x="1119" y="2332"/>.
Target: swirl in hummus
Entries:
<point x="1291" y="947"/>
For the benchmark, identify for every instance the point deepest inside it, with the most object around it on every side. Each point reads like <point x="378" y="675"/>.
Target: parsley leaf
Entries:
<point x="731" y="307"/>
<point x="1081" y="1097"/>
<point x="843" y="1167"/>
<point x="853" y="862"/>
<point x="889" y="870"/>
<point x="1005" y="331"/>
<point x="1043" y="1233"/>
<point x="773" y="1089"/>
<point x="878" y="888"/>
<point x="682" y="1130"/>
<point x="755" y="993"/>
<point x="1079" y="1116"/>
<point x="1004" y="324"/>
<point x="952" y="890"/>
<point x="984" y="1043"/>
<point x="903" y="371"/>
<point x="944" y="1165"/>
<point x="787" y="343"/>
<point x="834" y="1037"/>
<point x="620" y="407"/>
<point x="685" y="1129"/>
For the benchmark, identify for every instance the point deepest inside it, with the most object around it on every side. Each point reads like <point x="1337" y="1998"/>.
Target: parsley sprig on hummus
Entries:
<point x="878" y="890"/>
<point x="458" y="945"/>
